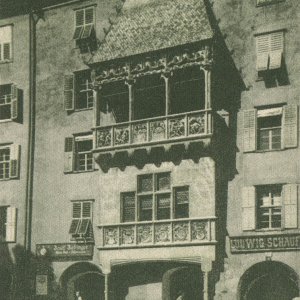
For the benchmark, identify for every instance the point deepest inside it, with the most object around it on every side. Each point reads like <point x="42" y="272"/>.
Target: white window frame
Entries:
<point x="6" y="33"/>
<point x="270" y="204"/>
<point x="269" y="113"/>
<point x="5" y="164"/>
<point x="87" y="167"/>
<point x="83" y="90"/>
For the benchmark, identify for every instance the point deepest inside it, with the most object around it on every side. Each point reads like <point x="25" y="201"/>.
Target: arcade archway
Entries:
<point x="84" y="278"/>
<point x="269" y="281"/>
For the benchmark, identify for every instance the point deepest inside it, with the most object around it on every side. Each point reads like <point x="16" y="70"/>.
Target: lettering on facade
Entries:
<point x="264" y="243"/>
<point x="66" y="251"/>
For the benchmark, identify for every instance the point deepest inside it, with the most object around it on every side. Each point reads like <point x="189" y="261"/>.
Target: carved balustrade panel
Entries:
<point x="196" y="124"/>
<point x="111" y="236"/>
<point x="181" y="232"/>
<point x="139" y="133"/>
<point x="121" y="135"/>
<point x="127" y="235"/>
<point x="103" y="137"/>
<point x="199" y="230"/>
<point x="163" y="233"/>
<point x="157" y="130"/>
<point x="145" y="234"/>
<point x="177" y="127"/>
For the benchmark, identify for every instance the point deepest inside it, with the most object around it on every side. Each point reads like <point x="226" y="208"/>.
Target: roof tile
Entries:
<point x="154" y="25"/>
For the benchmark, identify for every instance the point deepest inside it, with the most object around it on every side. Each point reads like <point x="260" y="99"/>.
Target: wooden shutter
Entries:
<point x="14" y="102"/>
<point x="290" y="126"/>
<point x="14" y="167"/>
<point x="6" y="51"/>
<point x="89" y="15"/>
<point x="276" y="49"/>
<point x="11" y="224"/>
<point x="0" y="52"/>
<point x="290" y="200"/>
<point x="86" y="209"/>
<point x="69" y="92"/>
<point x="249" y="130"/>
<point x="248" y="208"/>
<point x="69" y="155"/>
<point x="262" y="52"/>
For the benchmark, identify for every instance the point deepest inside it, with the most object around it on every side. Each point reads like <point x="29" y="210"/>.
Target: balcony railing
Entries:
<point x="183" y="126"/>
<point x="159" y="233"/>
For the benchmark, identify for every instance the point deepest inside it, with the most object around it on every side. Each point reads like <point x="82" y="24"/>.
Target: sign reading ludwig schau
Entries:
<point x="65" y="250"/>
<point x="264" y="243"/>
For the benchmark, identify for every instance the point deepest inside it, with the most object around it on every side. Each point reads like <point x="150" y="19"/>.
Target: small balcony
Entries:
<point x="159" y="130"/>
<point x="159" y="233"/>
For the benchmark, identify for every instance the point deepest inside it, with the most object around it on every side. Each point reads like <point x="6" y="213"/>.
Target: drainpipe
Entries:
<point x="30" y="144"/>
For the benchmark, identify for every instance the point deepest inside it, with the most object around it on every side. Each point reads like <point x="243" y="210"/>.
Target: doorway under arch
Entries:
<point x="84" y="278"/>
<point x="269" y="281"/>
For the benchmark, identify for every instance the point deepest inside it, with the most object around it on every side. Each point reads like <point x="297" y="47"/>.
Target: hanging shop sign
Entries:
<point x="263" y="243"/>
<point x="65" y="251"/>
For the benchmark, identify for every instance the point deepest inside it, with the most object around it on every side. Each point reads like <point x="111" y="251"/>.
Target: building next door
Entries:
<point x="269" y="281"/>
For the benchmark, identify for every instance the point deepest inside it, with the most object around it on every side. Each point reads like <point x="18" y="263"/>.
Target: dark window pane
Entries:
<point x="145" y="205"/>
<point x="128" y="207"/>
<point x="163" y="207"/>
<point x="181" y="202"/>
<point x="163" y="181"/>
<point x="145" y="183"/>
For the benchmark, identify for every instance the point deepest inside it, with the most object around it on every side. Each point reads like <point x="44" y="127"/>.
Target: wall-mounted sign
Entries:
<point x="264" y="243"/>
<point x="66" y="251"/>
<point x="41" y="285"/>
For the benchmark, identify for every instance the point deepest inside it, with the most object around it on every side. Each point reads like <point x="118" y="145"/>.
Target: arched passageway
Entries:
<point x="269" y="281"/>
<point x="84" y="278"/>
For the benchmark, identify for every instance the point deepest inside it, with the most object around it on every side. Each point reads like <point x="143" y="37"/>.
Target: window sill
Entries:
<point x="5" y="179"/>
<point x="269" y="3"/>
<point x="79" y="172"/>
<point x="83" y="241"/>
<point x="6" y="121"/>
<point x="82" y="109"/>
<point x="6" y="61"/>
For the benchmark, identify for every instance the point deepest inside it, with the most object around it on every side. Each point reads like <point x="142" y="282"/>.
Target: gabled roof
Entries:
<point x="148" y="25"/>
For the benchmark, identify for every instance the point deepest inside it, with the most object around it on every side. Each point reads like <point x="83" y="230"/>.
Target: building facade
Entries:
<point x="263" y="198"/>
<point x="155" y="153"/>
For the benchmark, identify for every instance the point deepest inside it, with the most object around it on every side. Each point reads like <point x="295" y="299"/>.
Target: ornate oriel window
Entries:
<point x="155" y="199"/>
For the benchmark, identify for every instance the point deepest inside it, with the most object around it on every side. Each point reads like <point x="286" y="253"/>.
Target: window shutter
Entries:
<point x="249" y="130"/>
<point x="14" y="167"/>
<point x="262" y="52"/>
<point x="6" y="51"/>
<point x="290" y="194"/>
<point x="89" y="15"/>
<point x="69" y="155"/>
<point x="248" y="208"/>
<point x="290" y="126"/>
<point x="0" y="52"/>
<point x="11" y="224"/>
<point x="69" y="92"/>
<point x="14" y="102"/>
<point x="86" y="210"/>
<point x="79" y="17"/>
<point x="76" y="210"/>
<point x="276" y="49"/>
